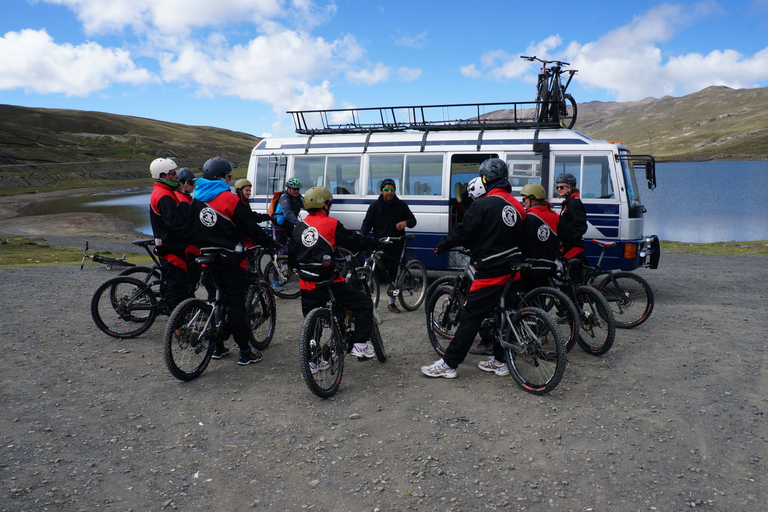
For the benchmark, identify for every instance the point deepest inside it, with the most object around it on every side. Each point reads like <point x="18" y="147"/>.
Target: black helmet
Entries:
<point x="568" y="178"/>
<point x="216" y="167"/>
<point x="493" y="169"/>
<point x="186" y="175"/>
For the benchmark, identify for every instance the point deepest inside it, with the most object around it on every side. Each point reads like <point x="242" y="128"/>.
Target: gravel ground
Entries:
<point x="672" y="418"/>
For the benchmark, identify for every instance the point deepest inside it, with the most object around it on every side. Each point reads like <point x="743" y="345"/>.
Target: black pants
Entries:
<point x="178" y="285"/>
<point x="233" y="281"/>
<point x="479" y="305"/>
<point x="356" y="301"/>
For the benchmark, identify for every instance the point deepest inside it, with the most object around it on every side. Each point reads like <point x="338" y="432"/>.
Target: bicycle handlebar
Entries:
<point x="558" y="62"/>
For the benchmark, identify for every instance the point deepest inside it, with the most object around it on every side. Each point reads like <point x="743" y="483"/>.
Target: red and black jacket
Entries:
<point x="168" y="223"/>
<point x="540" y="239"/>
<point x="314" y="239"/>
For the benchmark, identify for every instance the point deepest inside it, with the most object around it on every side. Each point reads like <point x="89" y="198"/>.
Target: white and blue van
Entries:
<point x="350" y="151"/>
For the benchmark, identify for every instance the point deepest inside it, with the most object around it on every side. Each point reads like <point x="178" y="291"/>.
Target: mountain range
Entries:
<point x="716" y="123"/>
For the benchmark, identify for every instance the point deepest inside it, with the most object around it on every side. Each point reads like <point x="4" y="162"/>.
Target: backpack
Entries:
<point x="274" y="202"/>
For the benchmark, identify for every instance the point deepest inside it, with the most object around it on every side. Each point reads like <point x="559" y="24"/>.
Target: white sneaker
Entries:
<point x="320" y="366"/>
<point x="363" y="350"/>
<point x="492" y="365"/>
<point x="439" y="369"/>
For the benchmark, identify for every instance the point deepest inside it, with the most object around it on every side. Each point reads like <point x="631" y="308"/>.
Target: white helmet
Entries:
<point x="161" y="166"/>
<point x="475" y="188"/>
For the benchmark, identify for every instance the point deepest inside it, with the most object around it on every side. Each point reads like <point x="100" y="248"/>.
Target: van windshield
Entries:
<point x="633" y="193"/>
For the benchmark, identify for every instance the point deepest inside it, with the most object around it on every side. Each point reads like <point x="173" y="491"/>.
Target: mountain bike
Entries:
<point x="196" y="325"/>
<point x="281" y="278"/>
<point x="410" y="282"/>
<point x="127" y="305"/>
<point x="629" y="295"/>
<point x="260" y="301"/>
<point x="598" y="327"/>
<point x="326" y="337"/>
<point x="448" y="294"/>
<point x="553" y="105"/>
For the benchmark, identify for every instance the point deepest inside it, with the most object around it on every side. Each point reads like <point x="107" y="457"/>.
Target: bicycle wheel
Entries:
<point x="321" y="353"/>
<point x="146" y="274"/>
<point x="558" y="306"/>
<point x="568" y="112"/>
<point x="190" y="337"/>
<point x="630" y="297"/>
<point x="443" y="309"/>
<point x="285" y="283"/>
<point x="123" y="307"/>
<point x="537" y="360"/>
<point x="598" y="329"/>
<point x="261" y="314"/>
<point x="374" y="289"/>
<point x="437" y="283"/>
<point x="378" y="343"/>
<point x="412" y="284"/>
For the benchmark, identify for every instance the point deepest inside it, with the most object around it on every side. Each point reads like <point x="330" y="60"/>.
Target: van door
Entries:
<point x="463" y="168"/>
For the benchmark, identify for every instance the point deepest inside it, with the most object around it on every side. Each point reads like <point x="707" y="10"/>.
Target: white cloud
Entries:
<point x="379" y="73"/>
<point x="408" y="74"/>
<point x="418" y="41"/>
<point x="34" y="62"/>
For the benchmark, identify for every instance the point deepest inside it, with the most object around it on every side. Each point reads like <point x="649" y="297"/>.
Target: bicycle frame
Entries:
<point x="373" y="261"/>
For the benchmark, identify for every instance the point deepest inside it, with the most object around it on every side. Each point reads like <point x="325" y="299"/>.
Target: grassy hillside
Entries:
<point x="39" y="135"/>
<point x="717" y="123"/>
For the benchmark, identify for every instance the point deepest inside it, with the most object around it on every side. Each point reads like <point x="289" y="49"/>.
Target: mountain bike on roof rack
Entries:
<point x="552" y="102"/>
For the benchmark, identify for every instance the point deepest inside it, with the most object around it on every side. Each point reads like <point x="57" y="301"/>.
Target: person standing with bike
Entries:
<point x="573" y="219"/>
<point x="540" y="239"/>
<point x="287" y="211"/>
<point x="171" y="231"/>
<point x="220" y="219"/>
<point x="389" y="216"/>
<point x="316" y="239"/>
<point x="492" y="231"/>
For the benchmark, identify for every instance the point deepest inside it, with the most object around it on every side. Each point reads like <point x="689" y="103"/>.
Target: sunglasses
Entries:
<point x="559" y="187"/>
<point x="388" y="190"/>
<point x="172" y="173"/>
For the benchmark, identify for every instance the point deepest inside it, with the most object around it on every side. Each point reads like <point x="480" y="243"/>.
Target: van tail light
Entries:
<point x="630" y="251"/>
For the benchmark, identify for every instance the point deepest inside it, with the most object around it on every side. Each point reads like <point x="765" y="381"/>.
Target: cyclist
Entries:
<point x="573" y="219"/>
<point x="220" y="219"/>
<point x="287" y="211"/>
<point x="389" y="216"/>
<point x="492" y="231"/>
<point x="316" y="239"/>
<point x="540" y="240"/>
<point x="171" y="231"/>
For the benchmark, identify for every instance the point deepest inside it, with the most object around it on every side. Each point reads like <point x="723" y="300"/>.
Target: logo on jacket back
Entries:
<point x="543" y="233"/>
<point x="309" y="236"/>
<point x="509" y="215"/>
<point x="208" y="217"/>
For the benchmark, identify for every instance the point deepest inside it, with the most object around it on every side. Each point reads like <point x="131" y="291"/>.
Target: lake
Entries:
<point x="694" y="202"/>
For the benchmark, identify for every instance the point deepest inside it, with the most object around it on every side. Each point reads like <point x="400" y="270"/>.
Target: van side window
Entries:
<point x="310" y="171"/>
<point x="385" y="166"/>
<point x="523" y="169"/>
<point x="424" y="175"/>
<point x="570" y="164"/>
<point x="342" y="175"/>
<point x="596" y="180"/>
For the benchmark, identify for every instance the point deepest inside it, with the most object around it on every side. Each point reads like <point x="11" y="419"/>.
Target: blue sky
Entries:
<point x="240" y="64"/>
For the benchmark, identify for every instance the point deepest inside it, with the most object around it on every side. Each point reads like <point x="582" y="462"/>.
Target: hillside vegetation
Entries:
<point x="40" y="135"/>
<point x="717" y="123"/>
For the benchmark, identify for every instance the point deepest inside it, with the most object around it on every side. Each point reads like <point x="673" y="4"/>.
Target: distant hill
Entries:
<point x="716" y="123"/>
<point x="40" y="135"/>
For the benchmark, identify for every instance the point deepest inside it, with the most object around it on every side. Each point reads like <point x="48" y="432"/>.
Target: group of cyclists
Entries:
<point x="188" y="213"/>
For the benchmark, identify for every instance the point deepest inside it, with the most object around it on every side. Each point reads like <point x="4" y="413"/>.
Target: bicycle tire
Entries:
<point x="542" y="109"/>
<point x="598" y="328"/>
<point x="438" y="282"/>
<point x="378" y="343"/>
<point x="261" y="313"/>
<point x="627" y="294"/>
<point x="374" y="290"/>
<point x="288" y="283"/>
<point x="189" y="339"/>
<point x="443" y="310"/>
<point x="148" y="275"/>
<point x="320" y="345"/>
<point x="412" y="284"/>
<point x="539" y="364"/>
<point x="124" y="307"/>
<point x="558" y="306"/>
<point x="568" y="117"/>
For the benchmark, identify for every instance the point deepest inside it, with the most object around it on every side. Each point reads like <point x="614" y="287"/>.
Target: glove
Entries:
<point x="262" y="217"/>
<point x="438" y="250"/>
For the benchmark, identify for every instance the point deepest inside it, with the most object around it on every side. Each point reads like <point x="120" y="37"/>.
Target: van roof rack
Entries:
<point x="467" y="116"/>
